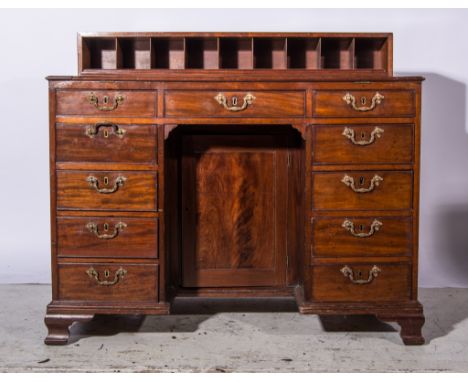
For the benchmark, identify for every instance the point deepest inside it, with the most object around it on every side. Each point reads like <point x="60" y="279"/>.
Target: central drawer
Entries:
<point x="107" y="190"/>
<point x="239" y="103"/>
<point x="110" y="282"/>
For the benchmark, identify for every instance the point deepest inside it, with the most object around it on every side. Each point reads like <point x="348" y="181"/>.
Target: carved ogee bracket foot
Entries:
<point x="58" y="326"/>
<point x="410" y="328"/>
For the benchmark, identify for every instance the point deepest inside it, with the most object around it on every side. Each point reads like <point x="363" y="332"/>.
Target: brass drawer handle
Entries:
<point x="94" y="100"/>
<point x="349" y="226"/>
<point x="349" y="273"/>
<point x="93" y="228"/>
<point x="349" y="133"/>
<point x="349" y="181"/>
<point x="94" y="183"/>
<point x="92" y="131"/>
<point x="119" y="275"/>
<point x="351" y="100"/>
<point x="222" y="100"/>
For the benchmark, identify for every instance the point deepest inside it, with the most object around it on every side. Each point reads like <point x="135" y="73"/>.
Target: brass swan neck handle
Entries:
<point x="349" y="181"/>
<point x="351" y="100"/>
<point x="118" y="276"/>
<point x="375" y="226"/>
<point x="222" y="100"/>
<point x="376" y="133"/>
<point x="93" y="228"/>
<point x="94" y="100"/>
<point x="349" y="273"/>
<point x="94" y="183"/>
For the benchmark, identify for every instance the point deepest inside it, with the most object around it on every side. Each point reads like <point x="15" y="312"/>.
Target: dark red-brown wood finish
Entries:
<point x="234" y="165"/>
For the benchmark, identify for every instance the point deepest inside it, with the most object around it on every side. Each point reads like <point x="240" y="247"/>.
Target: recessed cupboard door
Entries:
<point x="234" y="206"/>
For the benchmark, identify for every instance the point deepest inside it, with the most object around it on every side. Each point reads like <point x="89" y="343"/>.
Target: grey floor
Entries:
<point x="218" y="340"/>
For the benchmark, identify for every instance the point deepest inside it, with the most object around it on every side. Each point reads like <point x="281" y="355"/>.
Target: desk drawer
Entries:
<point x="337" y="144"/>
<point x="123" y="237"/>
<point x="124" y="103"/>
<point x="109" y="282"/>
<point x="106" y="142"/>
<point x="362" y="190"/>
<point x="372" y="282"/>
<point x="248" y="103"/>
<point x="107" y="190"/>
<point x="357" y="236"/>
<point x="363" y="103"/>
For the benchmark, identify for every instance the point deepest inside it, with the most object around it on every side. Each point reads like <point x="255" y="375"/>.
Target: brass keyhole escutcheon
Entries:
<point x="106" y="227"/>
<point x="106" y="133"/>
<point x="234" y="101"/>
<point x="106" y="273"/>
<point x="106" y="180"/>
<point x="363" y="100"/>
<point x="105" y="99"/>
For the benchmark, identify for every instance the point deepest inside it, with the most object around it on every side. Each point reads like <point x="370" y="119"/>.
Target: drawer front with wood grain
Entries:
<point x="109" y="282"/>
<point x="106" y="142"/>
<point x="363" y="103"/>
<point x="122" y="237"/>
<point x="372" y="144"/>
<point x="107" y="190"/>
<point x="346" y="282"/>
<point x="248" y="103"/>
<point x="362" y="190"/>
<point x="125" y="103"/>
<point x="358" y="236"/>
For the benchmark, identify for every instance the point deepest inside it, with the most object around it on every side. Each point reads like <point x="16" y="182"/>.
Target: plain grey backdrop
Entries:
<point x="37" y="43"/>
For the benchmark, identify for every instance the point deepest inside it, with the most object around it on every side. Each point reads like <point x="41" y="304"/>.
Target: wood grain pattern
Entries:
<point x="331" y="146"/>
<point x="139" y="284"/>
<point x="137" y="145"/>
<point x="397" y="103"/>
<point x="393" y="238"/>
<point x="233" y="213"/>
<point x="138" y="193"/>
<point x="393" y="193"/>
<point x="139" y="238"/>
<point x="266" y="103"/>
<point x="136" y="103"/>
<point x="392" y="284"/>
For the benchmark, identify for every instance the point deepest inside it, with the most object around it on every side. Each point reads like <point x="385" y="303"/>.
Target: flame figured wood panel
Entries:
<point x="234" y="207"/>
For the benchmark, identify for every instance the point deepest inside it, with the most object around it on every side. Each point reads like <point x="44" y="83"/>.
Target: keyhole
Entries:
<point x="106" y="180"/>
<point x="361" y="227"/>
<point x="106" y="273"/>
<point x="106" y="133"/>
<point x="363" y="135"/>
<point x="234" y="101"/>
<point x="361" y="180"/>
<point x="106" y="227"/>
<point x="106" y="99"/>
<point x="359" y="274"/>
<point x="363" y="100"/>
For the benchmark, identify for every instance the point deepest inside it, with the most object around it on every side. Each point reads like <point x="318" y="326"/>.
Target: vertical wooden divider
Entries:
<point x="352" y="54"/>
<point x="318" y="53"/>
<point x="118" y="54"/>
